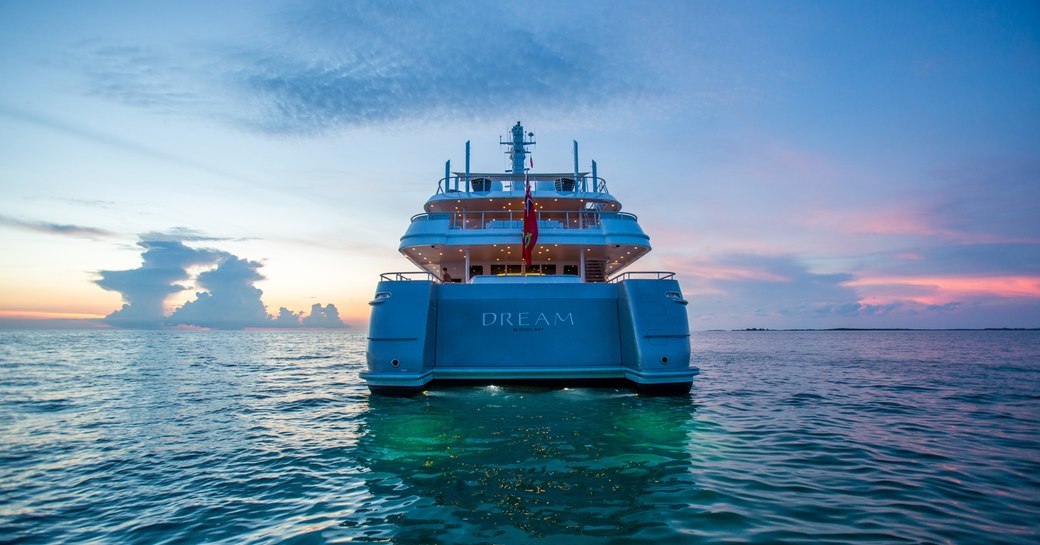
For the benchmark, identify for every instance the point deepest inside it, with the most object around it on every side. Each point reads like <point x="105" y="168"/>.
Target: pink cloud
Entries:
<point x="937" y="290"/>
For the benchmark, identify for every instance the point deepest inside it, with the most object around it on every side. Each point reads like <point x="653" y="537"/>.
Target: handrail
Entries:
<point x="508" y="219"/>
<point x="427" y="216"/>
<point x="658" y="275"/>
<point x="404" y="276"/>
<point x="508" y="183"/>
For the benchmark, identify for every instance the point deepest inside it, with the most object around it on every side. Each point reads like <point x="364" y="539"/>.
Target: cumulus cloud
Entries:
<point x="230" y="300"/>
<point x="323" y="317"/>
<point x="227" y="297"/>
<point x="146" y="288"/>
<point x="286" y="318"/>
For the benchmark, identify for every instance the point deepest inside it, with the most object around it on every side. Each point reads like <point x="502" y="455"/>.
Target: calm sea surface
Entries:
<point x="270" y="437"/>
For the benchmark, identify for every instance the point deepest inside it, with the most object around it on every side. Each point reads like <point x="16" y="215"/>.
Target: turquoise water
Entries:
<point x="270" y="437"/>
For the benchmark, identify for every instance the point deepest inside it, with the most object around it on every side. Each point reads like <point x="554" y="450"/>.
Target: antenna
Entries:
<point x="518" y="147"/>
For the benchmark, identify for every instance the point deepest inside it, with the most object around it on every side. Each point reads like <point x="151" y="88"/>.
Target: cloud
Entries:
<point x="141" y="76"/>
<point x="751" y="290"/>
<point x="230" y="300"/>
<point x="286" y="318"/>
<point x="326" y="317"/>
<point x="327" y="66"/>
<point x="323" y="317"/>
<point x="145" y="289"/>
<point x="777" y="289"/>
<point x="56" y="228"/>
<point x="227" y="298"/>
<point x="940" y="291"/>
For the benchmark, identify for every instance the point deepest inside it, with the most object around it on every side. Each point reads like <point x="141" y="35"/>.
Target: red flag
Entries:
<point x="530" y="237"/>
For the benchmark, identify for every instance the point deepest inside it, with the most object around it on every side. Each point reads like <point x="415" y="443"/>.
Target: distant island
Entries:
<point x="890" y="329"/>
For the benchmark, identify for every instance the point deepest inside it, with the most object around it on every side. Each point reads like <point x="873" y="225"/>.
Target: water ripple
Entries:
<point x="270" y="437"/>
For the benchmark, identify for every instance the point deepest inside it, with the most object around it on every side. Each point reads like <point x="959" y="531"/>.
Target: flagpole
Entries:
<point x="523" y="242"/>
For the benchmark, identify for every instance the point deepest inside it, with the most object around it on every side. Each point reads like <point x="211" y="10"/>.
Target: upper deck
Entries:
<point x="474" y="223"/>
<point x="552" y="191"/>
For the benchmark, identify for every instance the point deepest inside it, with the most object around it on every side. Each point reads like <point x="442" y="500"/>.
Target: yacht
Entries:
<point x="523" y="277"/>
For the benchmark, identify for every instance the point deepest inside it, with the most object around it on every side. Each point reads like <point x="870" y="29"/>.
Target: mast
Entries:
<point x="518" y="148"/>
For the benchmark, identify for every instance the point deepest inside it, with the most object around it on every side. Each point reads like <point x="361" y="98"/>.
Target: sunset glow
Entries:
<point x="943" y="290"/>
<point x="41" y="315"/>
<point x="249" y="164"/>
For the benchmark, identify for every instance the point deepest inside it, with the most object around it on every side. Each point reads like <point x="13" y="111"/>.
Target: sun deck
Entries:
<point x="473" y="224"/>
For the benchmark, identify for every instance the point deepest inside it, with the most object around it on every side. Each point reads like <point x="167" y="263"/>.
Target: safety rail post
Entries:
<point x="576" y="181"/>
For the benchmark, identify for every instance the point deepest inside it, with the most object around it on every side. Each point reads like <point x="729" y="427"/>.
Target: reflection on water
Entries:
<point x="505" y="464"/>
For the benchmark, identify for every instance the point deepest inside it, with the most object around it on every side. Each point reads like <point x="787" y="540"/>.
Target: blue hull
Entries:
<point x="424" y="334"/>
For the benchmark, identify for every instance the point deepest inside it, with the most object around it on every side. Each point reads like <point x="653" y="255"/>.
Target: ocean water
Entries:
<point x="270" y="437"/>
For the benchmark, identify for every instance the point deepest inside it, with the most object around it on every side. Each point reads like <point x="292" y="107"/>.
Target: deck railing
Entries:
<point x="656" y="275"/>
<point x="514" y="219"/>
<point x="515" y="184"/>
<point x="402" y="276"/>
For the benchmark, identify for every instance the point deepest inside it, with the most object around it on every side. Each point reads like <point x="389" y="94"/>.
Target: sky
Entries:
<point x="254" y="164"/>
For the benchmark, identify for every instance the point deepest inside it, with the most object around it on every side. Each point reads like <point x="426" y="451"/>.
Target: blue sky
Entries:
<point x="798" y="164"/>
